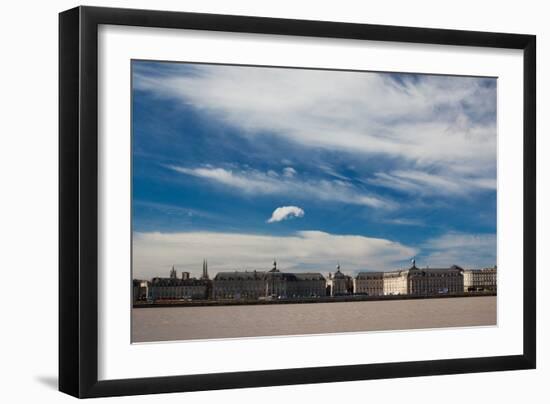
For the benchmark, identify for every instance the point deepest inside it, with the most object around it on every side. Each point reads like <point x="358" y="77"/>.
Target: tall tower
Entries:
<point x="173" y="273"/>
<point x="204" y="269"/>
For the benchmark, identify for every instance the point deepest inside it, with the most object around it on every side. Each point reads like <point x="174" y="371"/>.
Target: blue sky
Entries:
<point x="243" y="164"/>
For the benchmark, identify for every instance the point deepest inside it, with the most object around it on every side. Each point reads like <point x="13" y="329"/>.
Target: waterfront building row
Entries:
<point x="476" y="280"/>
<point x="411" y="281"/>
<point x="270" y="284"/>
<point x="426" y="281"/>
<point x="274" y="284"/>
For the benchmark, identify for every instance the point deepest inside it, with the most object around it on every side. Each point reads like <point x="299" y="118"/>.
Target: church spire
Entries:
<point x="204" y="269"/>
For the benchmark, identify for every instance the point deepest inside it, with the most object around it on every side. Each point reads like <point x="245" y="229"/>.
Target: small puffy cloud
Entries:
<point x="285" y="212"/>
<point x="289" y="172"/>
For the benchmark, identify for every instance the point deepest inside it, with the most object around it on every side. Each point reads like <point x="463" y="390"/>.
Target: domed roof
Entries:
<point x="274" y="269"/>
<point x="338" y="274"/>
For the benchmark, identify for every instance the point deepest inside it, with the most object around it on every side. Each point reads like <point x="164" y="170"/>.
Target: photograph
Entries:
<point x="272" y="201"/>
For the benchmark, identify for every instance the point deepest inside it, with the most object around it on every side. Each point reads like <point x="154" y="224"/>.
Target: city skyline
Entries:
<point x="260" y="286"/>
<point x="195" y="272"/>
<point x="241" y="165"/>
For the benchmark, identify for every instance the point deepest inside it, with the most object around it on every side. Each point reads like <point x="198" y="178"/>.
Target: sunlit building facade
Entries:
<point x="480" y="280"/>
<point x="411" y="281"/>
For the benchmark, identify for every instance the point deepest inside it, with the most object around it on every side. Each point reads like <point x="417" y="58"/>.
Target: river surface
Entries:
<point x="208" y="322"/>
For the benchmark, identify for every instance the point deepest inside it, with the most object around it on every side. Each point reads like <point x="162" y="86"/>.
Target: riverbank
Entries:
<point x="327" y="299"/>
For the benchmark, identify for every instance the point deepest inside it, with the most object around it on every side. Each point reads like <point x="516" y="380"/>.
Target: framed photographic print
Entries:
<point x="250" y="201"/>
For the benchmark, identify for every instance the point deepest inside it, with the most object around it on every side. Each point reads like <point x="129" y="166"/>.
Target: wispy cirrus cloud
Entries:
<point x="154" y="253"/>
<point x="425" y="183"/>
<point x="429" y="124"/>
<point x="171" y="210"/>
<point x="405" y="222"/>
<point x="255" y="182"/>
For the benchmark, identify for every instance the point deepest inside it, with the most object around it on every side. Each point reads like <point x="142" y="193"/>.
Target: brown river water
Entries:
<point x="210" y="322"/>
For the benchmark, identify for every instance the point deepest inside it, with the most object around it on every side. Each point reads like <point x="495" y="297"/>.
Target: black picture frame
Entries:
<point x="78" y="201"/>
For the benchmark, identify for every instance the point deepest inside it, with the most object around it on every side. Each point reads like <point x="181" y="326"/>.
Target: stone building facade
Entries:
<point x="174" y="288"/>
<point x="480" y="280"/>
<point x="339" y="284"/>
<point x="140" y="290"/>
<point x="274" y="284"/>
<point x="270" y="284"/>
<point x="411" y="281"/>
<point x="309" y="284"/>
<point x="432" y="281"/>
<point x="238" y="285"/>
<point x="369" y="283"/>
<point x="396" y="282"/>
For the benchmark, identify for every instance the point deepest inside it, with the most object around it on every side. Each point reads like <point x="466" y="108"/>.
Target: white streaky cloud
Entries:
<point x="255" y="182"/>
<point x="285" y="212"/>
<point x="463" y="249"/>
<point x="174" y="210"/>
<point x="424" y="183"/>
<point x="433" y="122"/>
<point x="333" y="173"/>
<point x="405" y="222"/>
<point x="305" y="251"/>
